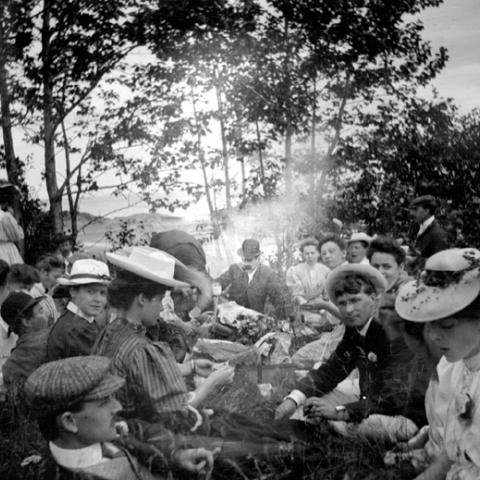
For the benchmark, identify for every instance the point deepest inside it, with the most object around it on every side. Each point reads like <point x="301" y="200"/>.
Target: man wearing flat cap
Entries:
<point x="430" y="238"/>
<point x="250" y="283"/>
<point x="387" y="408"/>
<point x="73" y="401"/>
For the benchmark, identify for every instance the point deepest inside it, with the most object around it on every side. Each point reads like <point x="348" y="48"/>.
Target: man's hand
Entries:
<point x="203" y="367"/>
<point x="195" y="460"/>
<point x="285" y="409"/>
<point x="316" y="408"/>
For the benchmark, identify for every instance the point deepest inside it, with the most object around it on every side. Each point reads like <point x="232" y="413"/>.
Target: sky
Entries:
<point x="454" y="25"/>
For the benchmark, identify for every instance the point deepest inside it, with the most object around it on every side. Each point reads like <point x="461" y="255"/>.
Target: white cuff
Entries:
<point x="297" y="396"/>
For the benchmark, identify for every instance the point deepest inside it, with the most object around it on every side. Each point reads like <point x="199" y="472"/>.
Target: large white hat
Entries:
<point x="86" y="271"/>
<point x="149" y="263"/>
<point x="450" y="282"/>
<point x="362" y="270"/>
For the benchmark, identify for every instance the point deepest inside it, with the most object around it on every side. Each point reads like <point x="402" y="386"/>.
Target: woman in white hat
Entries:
<point x="155" y="388"/>
<point x="76" y="330"/>
<point x="446" y="298"/>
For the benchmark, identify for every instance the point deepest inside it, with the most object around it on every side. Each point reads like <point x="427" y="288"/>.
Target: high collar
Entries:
<point x="363" y="331"/>
<point x="473" y="363"/>
<point x="71" y="307"/>
<point x="76" y="458"/>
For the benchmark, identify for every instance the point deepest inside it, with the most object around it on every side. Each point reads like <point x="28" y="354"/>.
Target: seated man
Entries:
<point x="76" y="330"/>
<point x="354" y="289"/>
<point x="73" y="401"/>
<point x="250" y="283"/>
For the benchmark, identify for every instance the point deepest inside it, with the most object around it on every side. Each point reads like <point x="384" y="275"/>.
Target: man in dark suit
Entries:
<point x="431" y="238"/>
<point x="250" y="283"/>
<point x="390" y="405"/>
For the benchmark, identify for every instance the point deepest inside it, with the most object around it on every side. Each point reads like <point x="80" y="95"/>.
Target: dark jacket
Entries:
<point x="263" y="285"/>
<point x="71" y="336"/>
<point x="432" y="240"/>
<point x="387" y="370"/>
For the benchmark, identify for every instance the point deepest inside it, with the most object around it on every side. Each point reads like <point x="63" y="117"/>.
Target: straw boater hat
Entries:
<point x="86" y="271"/>
<point x="149" y="263"/>
<point x="450" y="282"/>
<point x="360" y="237"/>
<point x="365" y="271"/>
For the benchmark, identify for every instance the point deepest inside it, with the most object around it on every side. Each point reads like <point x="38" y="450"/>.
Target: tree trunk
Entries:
<point x="49" y="126"/>
<point x="218" y="90"/>
<point x="72" y="203"/>
<point x="260" y="159"/>
<point x="289" y="126"/>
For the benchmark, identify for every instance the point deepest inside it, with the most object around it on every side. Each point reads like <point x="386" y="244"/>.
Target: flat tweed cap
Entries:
<point x="57" y="385"/>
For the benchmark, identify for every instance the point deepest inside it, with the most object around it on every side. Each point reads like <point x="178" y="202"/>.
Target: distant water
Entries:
<point x="124" y="206"/>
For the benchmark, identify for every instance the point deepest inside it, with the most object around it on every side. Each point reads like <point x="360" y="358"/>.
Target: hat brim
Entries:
<point x="418" y="302"/>
<point x="241" y="253"/>
<point x="343" y="271"/>
<point x="124" y="262"/>
<point x="66" y="282"/>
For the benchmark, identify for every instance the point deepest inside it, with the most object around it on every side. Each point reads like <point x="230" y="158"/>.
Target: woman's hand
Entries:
<point x="203" y="367"/>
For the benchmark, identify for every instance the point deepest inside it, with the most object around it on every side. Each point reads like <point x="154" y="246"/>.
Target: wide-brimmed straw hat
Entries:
<point x="149" y="263"/>
<point x="450" y="282"/>
<point x="86" y="271"/>
<point x="366" y="271"/>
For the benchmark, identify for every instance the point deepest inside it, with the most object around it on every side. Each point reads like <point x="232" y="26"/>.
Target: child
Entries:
<point x="76" y="330"/>
<point x="26" y="318"/>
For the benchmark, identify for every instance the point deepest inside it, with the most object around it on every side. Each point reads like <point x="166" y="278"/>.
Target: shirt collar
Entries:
<point x="425" y="225"/>
<point x="363" y="331"/>
<point x="473" y="363"/>
<point x="75" y="310"/>
<point x="77" y="457"/>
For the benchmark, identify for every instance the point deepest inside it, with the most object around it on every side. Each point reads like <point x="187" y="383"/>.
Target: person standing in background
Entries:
<point x="11" y="233"/>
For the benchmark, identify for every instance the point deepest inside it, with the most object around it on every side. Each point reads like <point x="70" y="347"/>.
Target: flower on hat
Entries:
<point x="372" y="357"/>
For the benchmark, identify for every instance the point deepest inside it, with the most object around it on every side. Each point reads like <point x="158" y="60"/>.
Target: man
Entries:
<point x="62" y="247"/>
<point x="76" y="330"/>
<point x="333" y="251"/>
<point x="250" y="283"/>
<point x="357" y="248"/>
<point x="430" y="238"/>
<point x="379" y="411"/>
<point x="78" y="415"/>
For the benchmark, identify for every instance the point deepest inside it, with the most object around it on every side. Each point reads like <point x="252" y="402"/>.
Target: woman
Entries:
<point x="306" y="281"/>
<point x="447" y="299"/>
<point x="155" y="387"/>
<point x="10" y="231"/>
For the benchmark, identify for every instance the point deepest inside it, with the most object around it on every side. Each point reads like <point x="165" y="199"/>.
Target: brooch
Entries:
<point x="372" y="357"/>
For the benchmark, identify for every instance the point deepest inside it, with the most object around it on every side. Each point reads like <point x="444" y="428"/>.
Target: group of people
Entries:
<point x="111" y="395"/>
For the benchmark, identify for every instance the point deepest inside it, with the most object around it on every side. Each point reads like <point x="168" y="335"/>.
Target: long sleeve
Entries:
<point x="12" y="229"/>
<point x="324" y="379"/>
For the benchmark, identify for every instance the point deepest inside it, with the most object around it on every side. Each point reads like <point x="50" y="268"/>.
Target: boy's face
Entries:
<point x="357" y="251"/>
<point x="96" y="421"/>
<point x="356" y="308"/>
<point x="91" y="299"/>
<point x="39" y="318"/>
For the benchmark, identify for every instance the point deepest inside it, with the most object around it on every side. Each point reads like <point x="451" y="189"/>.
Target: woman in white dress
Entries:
<point x="10" y="231"/>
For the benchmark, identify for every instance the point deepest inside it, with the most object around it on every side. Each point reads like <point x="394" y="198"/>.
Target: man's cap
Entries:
<point x="58" y="385"/>
<point x="250" y="249"/>
<point x="16" y="304"/>
<point x="360" y="237"/>
<point x="449" y="283"/>
<point x="366" y="271"/>
<point x="428" y="201"/>
<point x="86" y="271"/>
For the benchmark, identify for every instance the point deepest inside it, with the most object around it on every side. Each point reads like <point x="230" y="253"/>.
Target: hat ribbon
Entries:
<point x="88" y="275"/>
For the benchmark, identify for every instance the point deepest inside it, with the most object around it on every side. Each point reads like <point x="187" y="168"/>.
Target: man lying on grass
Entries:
<point x="390" y="406"/>
<point x="77" y="413"/>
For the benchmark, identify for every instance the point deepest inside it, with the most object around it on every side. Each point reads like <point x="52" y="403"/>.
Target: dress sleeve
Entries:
<point x="158" y="379"/>
<point x="13" y="230"/>
<point x="294" y="284"/>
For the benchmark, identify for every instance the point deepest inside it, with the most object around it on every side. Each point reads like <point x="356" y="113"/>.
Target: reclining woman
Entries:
<point x="447" y="299"/>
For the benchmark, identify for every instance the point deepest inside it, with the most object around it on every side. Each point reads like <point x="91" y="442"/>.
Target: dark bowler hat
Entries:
<point x="250" y="249"/>
<point x="58" y="385"/>
<point x="16" y="304"/>
<point x="426" y="201"/>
